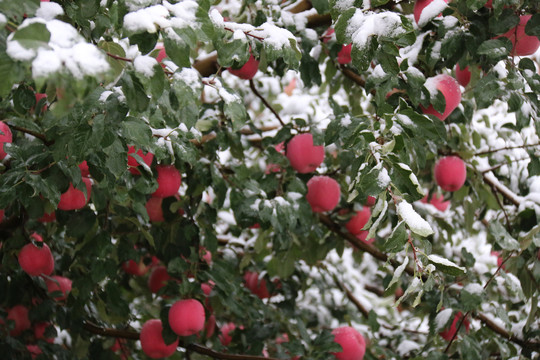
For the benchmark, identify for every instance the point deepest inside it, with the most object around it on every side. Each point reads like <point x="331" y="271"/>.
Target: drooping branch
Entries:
<point x="491" y="151"/>
<point x="33" y="133"/>
<point x="492" y="181"/>
<point x="133" y="335"/>
<point x="352" y="298"/>
<point x="265" y="102"/>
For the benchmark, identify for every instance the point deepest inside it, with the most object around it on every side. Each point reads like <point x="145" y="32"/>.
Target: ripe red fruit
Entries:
<point x="437" y="200"/>
<point x="169" y="181"/>
<point x="225" y="337"/>
<point x="19" y="314"/>
<point x="34" y="350"/>
<point x="5" y="137"/>
<point x="362" y="236"/>
<point x="448" y="334"/>
<point x="248" y="70"/>
<point x="74" y="199"/>
<point x="327" y="36"/>
<point x="133" y="268"/>
<point x="371" y="200"/>
<point x="423" y="15"/>
<point x="39" y="331"/>
<point x="35" y="260"/>
<point x="463" y="76"/>
<point x="450" y="173"/>
<point x="85" y="172"/>
<point x="2" y="212"/>
<point x="59" y="283"/>
<point x="358" y="221"/>
<point x="46" y="218"/>
<point x="344" y="55"/>
<point x="186" y="317"/>
<point x="352" y="342"/>
<point x="158" y="278"/>
<point x="210" y="326"/>
<point x="303" y="155"/>
<point x="323" y="193"/>
<point x="154" y="209"/>
<point x="132" y="162"/>
<point x="152" y="342"/>
<point x="161" y="55"/>
<point x="450" y="90"/>
<point x="255" y="285"/>
<point x="522" y="44"/>
<point x="205" y="255"/>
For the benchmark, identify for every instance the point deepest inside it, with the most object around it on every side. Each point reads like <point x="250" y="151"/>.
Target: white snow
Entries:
<point x="3" y="20"/>
<point x="144" y="64"/>
<point x="430" y="11"/>
<point x="413" y="220"/>
<point x="473" y="288"/>
<point x="190" y="77"/>
<point x="406" y="346"/>
<point x="49" y="10"/>
<point x="216" y="18"/>
<point x="362" y="25"/>
<point x="445" y="262"/>
<point x="147" y="19"/>
<point x="411" y="52"/>
<point x="442" y="318"/>
<point x="383" y="179"/>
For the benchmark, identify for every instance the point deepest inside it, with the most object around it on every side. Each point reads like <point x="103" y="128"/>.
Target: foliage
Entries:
<point x="94" y="61"/>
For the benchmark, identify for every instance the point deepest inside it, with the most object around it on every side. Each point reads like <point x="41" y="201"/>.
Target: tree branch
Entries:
<point x="33" y="133"/>
<point x="506" y="148"/>
<point x="492" y="181"/>
<point x="266" y="103"/>
<point x="133" y="335"/>
<point x="351" y="297"/>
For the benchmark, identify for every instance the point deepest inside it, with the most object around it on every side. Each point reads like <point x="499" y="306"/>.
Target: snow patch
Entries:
<point x="414" y="221"/>
<point x="431" y="11"/>
<point x="49" y="10"/>
<point x="145" y="65"/>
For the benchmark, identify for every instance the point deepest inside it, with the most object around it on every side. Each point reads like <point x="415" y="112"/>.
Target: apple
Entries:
<point x="273" y="168"/>
<point x="248" y="70"/>
<point x="290" y="88"/>
<point x="225" y="336"/>
<point x="463" y="76"/>
<point x="85" y="172"/>
<point x="19" y="314"/>
<point x="489" y="4"/>
<point x="162" y="54"/>
<point x="34" y="350"/>
<point x="450" y="90"/>
<point x="40" y="96"/>
<point x="39" y="331"/>
<point x="186" y="317"/>
<point x="35" y="260"/>
<point x="448" y="334"/>
<point x="5" y="137"/>
<point x="358" y="221"/>
<point x="152" y="342"/>
<point x="255" y="285"/>
<point x="499" y="259"/>
<point x="158" y="278"/>
<point x="450" y="173"/>
<point x="48" y="217"/>
<point x="205" y="255"/>
<point x="59" y="283"/>
<point x="132" y="162"/>
<point x="74" y="199"/>
<point x="436" y="200"/>
<point x="2" y="213"/>
<point x="328" y="34"/>
<point x="210" y="326"/>
<point x="323" y="193"/>
<point x="421" y="15"/>
<point x="344" y="55"/>
<point x="169" y="180"/>
<point x="133" y="268"/>
<point x="154" y="209"/>
<point x="522" y="44"/>
<point x="303" y="155"/>
<point x="352" y="342"/>
<point x="370" y="201"/>
<point x="362" y="236"/>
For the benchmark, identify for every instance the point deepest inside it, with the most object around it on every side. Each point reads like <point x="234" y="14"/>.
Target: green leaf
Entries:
<point x="495" y="49"/>
<point x="397" y="240"/>
<point x="33" y="36"/>
<point x="234" y="53"/>
<point x="502" y="237"/>
<point x="135" y="93"/>
<point x="471" y="297"/>
<point x="446" y="265"/>
<point x="145" y="41"/>
<point x="533" y="26"/>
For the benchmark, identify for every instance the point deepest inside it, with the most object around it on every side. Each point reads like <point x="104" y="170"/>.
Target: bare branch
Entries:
<point x="266" y="103"/>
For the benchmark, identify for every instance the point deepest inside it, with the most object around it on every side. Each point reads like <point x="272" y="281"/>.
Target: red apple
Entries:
<point x="205" y="255"/>
<point x="248" y="70"/>
<point x="370" y="201"/>
<point x="522" y="43"/>
<point x="450" y="90"/>
<point x="169" y="180"/>
<point x="210" y="326"/>
<point x="158" y="278"/>
<point x="489" y="4"/>
<point x="5" y="137"/>
<point x="450" y="173"/>
<point x="85" y="172"/>
<point x="499" y="258"/>
<point x="225" y="336"/>
<point x="303" y="155"/>
<point x="162" y="54"/>
<point x="46" y="218"/>
<point x="2" y="213"/>
<point x="352" y="342"/>
<point x="34" y="350"/>
<point x="421" y="15"/>
<point x="133" y="268"/>
<point x="40" y="96"/>
<point x="362" y="236"/>
<point x="154" y="209"/>
<point x="273" y="168"/>
<point x="19" y="314"/>
<point x="35" y="260"/>
<point x="463" y="76"/>
<point x="39" y="331"/>
<point x="358" y="221"/>
<point x="255" y="285"/>
<point x="59" y="283"/>
<point x="186" y="317"/>
<point x="132" y="162"/>
<point x="152" y="342"/>
<point x="74" y="199"/>
<point x="437" y="200"/>
<point x="448" y="334"/>
<point x="344" y="55"/>
<point x="327" y="36"/>
<point x="323" y="193"/>
<point x="283" y="339"/>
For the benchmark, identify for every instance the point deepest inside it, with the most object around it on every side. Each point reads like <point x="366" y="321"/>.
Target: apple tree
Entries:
<point x="267" y="179"/>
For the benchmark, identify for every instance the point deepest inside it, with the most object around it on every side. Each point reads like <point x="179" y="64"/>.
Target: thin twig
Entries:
<point x="491" y="180"/>
<point x="418" y="264"/>
<point x="506" y="148"/>
<point x="33" y="133"/>
<point x="118" y="57"/>
<point x="351" y="297"/>
<point x="266" y="103"/>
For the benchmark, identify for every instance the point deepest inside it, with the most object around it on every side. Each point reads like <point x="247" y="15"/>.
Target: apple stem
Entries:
<point x="266" y="103"/>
